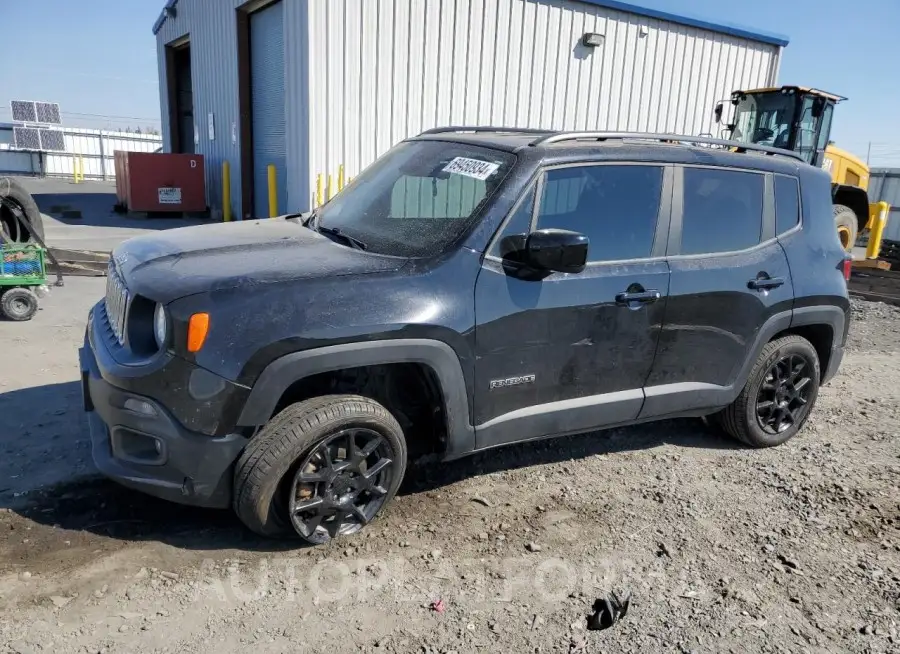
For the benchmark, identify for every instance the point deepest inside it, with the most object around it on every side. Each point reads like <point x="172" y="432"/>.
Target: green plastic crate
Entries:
<point x="22" y="265"/>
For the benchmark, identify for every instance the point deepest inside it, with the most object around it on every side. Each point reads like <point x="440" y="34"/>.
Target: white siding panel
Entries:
<point x="361" y="75"/>
<point x="426" y="63"/>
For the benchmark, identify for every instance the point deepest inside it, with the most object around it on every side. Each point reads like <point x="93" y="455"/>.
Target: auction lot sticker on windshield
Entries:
<point x="170" y="195"/>
<point x="471" y="168"/>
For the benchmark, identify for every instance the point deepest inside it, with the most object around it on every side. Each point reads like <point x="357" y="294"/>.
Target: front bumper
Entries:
<point x="139" y="443"/>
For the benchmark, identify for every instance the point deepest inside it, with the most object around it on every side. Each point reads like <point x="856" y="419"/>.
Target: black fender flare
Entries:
<point x="278" y="376"/>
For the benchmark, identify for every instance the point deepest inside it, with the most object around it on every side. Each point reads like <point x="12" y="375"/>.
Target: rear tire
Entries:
<point x="752" y="418"/>
<point x="19" y="304"/>
<point x="267" y="473"/>
<point x="15" y="201"/>
<point x="847" y="226"/>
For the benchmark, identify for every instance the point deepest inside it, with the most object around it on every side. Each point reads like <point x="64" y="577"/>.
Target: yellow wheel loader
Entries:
<point x="799" y="119"/>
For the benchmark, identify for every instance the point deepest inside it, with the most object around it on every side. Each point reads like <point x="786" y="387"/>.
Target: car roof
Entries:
<point x="641" y="147"/>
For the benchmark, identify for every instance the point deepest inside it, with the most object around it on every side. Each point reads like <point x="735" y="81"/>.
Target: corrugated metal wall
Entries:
<point x="381" y="70"/>
<point x="361" y="75"/>
<point x="212" y="28"/>
<point x="884" y="186"/>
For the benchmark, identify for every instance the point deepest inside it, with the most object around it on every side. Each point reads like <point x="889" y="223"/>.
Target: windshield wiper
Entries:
<point x="310" y="220"/>
<point x="350" y="240"/>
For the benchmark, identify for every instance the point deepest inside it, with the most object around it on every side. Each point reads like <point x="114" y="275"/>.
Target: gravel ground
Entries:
<point x="724" y="549"/>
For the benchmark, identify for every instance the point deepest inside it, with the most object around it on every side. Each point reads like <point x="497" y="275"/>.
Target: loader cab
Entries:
<point x="790" y="117"/>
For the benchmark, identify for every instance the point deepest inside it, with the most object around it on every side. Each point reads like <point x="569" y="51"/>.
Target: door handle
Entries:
<point x="633" y="300"/>
<point x="765" y="283"/>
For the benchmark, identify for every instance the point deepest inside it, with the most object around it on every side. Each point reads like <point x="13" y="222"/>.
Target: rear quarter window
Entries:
<point x="787" y="203"/>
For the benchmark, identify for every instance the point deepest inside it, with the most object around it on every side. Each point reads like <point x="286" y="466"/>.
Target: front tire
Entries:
<point x="320" y="469"/>
<point x="19" y="304"/>
<point x="847" y="226"/>
<point x="779" y="394"/>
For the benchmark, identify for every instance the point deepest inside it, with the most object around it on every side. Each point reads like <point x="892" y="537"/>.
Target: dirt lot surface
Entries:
<point x="794" y="549"/>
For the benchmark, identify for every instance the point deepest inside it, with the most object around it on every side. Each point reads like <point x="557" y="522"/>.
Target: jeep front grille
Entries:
<point x="117" y="300"/>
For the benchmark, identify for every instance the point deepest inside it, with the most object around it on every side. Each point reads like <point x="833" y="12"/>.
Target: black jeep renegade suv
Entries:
<point x="472" y="288"/>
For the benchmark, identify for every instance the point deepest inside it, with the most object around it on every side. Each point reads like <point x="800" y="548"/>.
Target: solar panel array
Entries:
<point x="39" y="136"/>
<point x="46" y="113"/>
<point x="23" y="112"/>
<point x="27" y="138"/>
<point x="53" y="140"/>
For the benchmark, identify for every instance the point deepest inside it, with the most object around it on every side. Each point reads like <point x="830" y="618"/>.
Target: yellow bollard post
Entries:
<point x="81" y="166"/>
<point x="319" y="190"/>
<point x="879" y="211"/>
<point x="74" y="169"/>
<point x="330" y="187"/>
<point x="273" y="192"/>
<point x="340" y="178"/>
<point x="226" y="191"/>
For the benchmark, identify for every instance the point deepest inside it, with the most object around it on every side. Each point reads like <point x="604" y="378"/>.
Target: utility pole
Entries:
<point x="869" y="153"/>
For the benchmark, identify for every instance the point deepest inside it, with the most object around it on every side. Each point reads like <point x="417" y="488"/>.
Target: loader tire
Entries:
<point x="847" y="226"/>
<point x="15" y="204"/>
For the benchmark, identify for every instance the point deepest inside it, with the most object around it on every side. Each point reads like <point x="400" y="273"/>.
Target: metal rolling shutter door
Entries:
<point x="267" y="101"/>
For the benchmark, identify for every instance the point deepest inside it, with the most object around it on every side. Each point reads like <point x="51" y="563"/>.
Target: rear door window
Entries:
<point x="787" y="203"/>
<point x="616" y="207"/>
<point x="723" y="210"/>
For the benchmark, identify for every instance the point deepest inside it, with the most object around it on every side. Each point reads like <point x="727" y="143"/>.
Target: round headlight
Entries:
<point x="160" y="325"/>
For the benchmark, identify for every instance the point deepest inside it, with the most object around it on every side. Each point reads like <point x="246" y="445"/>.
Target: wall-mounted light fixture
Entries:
<point x="170" y="11"/>
<point x="592" y="40"/>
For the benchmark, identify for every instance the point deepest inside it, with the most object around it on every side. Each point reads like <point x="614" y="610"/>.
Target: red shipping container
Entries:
<point x="158" y="182"/>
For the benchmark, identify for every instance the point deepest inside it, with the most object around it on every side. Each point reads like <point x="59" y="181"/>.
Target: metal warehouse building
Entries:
<point x="312" y="85"/>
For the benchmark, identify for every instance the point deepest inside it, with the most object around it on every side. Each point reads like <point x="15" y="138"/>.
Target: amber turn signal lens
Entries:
<point x="198" y="327"/>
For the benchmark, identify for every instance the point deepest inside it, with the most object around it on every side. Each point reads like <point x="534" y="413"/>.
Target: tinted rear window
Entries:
<point x="722" y="210"/>
<point x="787" y="203"/>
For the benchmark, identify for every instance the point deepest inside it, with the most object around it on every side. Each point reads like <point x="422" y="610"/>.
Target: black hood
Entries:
<point x="171" y="264"/>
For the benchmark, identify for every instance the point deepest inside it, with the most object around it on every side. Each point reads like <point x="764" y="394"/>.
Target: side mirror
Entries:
<point x="557" y="250"/>
<point x="718" y="112"/>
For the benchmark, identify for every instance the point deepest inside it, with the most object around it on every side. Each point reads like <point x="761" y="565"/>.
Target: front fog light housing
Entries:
<point x="140" y="407"/>
<point x="160" y="326"/>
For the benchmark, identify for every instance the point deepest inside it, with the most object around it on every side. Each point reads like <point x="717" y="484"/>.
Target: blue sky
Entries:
<point x="99" y="57"/>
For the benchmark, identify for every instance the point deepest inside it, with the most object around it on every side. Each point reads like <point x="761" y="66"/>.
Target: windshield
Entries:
<point x="765" y="119"/>
<point x="417" y="199"/>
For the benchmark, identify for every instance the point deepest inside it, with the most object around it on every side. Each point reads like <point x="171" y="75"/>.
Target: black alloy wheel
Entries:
<point x="778" y="396"/>
<point x="783" y="397"/>
<point x="341" y="485"/>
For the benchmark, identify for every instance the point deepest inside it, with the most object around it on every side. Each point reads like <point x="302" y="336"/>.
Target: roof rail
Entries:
<point x="483" y="129"/>
<point x="558" y="137"/>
